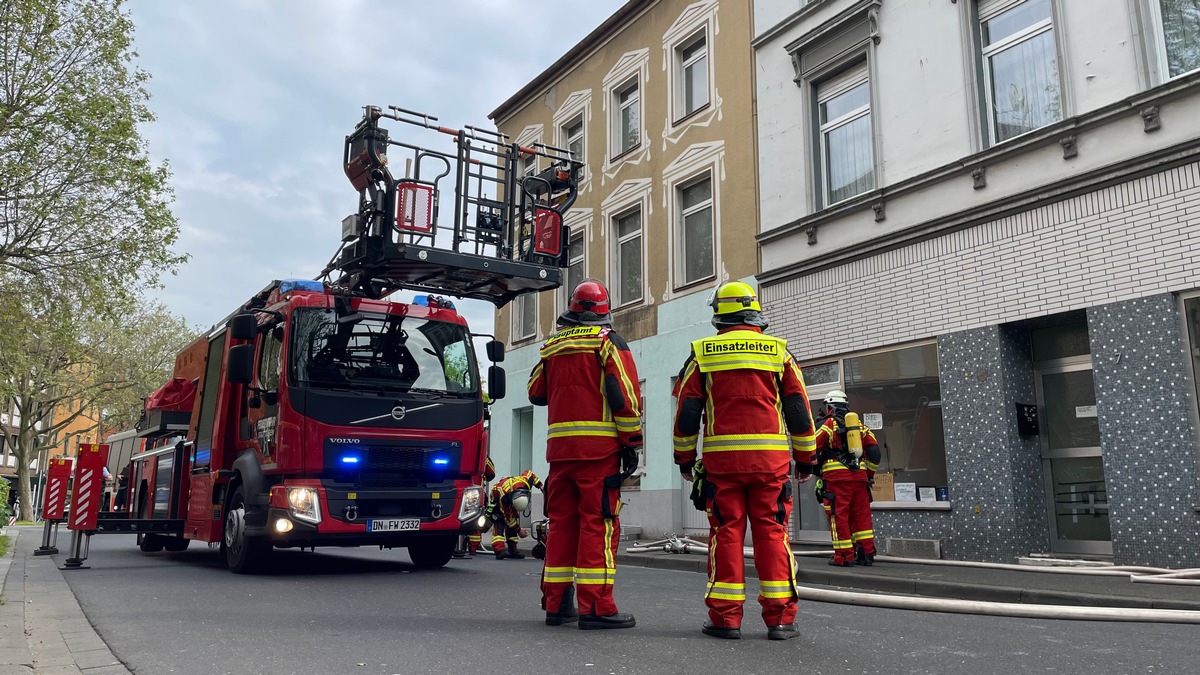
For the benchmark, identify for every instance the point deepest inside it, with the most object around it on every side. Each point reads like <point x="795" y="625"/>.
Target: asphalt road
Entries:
<point x="368" y="612"/>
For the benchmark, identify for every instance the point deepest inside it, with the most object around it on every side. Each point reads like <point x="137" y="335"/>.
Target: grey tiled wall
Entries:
<point x="1146" y="407"/>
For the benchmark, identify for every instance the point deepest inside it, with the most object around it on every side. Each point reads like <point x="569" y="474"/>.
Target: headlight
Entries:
<point x="304" y="504"/>
<point x="472" y="497"/>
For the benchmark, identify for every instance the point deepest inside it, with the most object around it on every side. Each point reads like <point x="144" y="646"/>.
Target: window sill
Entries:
<point x="624" y="154"/>
<point x="690" y="116"/>
<point x="910" y="506"/>
<point x="691" y="286"/>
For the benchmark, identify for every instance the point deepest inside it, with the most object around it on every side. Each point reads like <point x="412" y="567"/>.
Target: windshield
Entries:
<point x="378" y="351"/>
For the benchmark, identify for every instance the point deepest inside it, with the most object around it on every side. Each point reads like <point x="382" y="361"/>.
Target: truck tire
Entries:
<point x="150" y="543"/>
<point x="432" y="553"/>
<point x="243" y="554"/>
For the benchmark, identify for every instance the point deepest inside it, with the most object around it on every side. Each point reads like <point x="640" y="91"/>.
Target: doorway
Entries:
<point x="1072" y="461"/>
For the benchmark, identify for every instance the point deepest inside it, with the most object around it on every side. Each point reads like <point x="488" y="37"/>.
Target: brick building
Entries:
<point x="981" y="219"/>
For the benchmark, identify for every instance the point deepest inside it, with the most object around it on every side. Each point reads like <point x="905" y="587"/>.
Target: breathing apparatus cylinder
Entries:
<point x="854" y="435"/>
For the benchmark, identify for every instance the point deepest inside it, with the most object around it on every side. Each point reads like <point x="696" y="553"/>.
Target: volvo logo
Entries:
<point x="346" y="441"/>
<point x="398" y="413"/>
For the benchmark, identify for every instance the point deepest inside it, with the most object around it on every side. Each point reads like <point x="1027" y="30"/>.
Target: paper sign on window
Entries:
<point x="874" y="421"/>
<point x="1085" y="411"/>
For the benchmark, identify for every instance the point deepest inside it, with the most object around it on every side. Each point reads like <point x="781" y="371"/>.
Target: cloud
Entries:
<point x="254" y="98"/>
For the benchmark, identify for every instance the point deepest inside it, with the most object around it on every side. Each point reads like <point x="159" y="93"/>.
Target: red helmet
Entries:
<point x="588" y="305"/>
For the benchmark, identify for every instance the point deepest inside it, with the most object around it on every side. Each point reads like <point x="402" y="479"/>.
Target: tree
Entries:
<point x="84" y="214"/>
<point x="73" y="361"/>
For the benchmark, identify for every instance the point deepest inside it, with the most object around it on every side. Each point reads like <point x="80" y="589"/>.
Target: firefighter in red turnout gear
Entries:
<point x="746" y="392"/>
<point x="589" y="383"/>
<point x="474" y="541"/>
<point x="845" y="482"/>
<point x="509" y="499"/>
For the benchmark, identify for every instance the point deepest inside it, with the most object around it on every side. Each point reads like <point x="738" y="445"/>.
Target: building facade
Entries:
<point x="981" y="219"/>
<point x="657" y="101"/>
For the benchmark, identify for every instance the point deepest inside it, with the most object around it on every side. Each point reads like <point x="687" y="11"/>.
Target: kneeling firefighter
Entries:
<point x="746" y="392"/>
<point x="847" y="456"/>
<point x="588" y="381"/>
<point x="510" y="499"/>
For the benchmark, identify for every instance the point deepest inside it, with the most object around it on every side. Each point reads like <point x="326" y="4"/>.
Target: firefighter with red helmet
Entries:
<point x="587" y="379"/>
<point x="847" y="457"/>
<point x="744" y="390"/>
<point x="475" y="539"/>
<point x="509" y="499"/>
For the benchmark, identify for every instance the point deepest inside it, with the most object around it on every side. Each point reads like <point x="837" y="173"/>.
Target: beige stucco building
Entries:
<point x="658" y="101"/>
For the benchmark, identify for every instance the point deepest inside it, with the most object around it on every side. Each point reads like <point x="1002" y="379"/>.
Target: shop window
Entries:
<point x="899" y="397"/>
<point x="1191" y="311"/>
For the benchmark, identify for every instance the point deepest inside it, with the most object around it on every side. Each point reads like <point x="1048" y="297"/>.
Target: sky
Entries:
<point x="254" y="99"/>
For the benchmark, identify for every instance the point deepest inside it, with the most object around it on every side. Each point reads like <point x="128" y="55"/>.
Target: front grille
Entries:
<point x="399" y="459"/>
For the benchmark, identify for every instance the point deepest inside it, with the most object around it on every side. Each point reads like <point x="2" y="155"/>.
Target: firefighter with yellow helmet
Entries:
<point x="509" y="499"/>
<point x="847" y="456"/>
<point x="742" y="388"/>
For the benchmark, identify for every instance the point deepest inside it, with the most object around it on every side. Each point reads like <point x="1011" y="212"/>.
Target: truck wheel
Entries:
<point x="243" y="554"/>
<point x="432" y="554"/>
<point x="150" y="543"/>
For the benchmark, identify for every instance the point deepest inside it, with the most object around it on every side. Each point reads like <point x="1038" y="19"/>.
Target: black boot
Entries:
<point x="501" y="554"/>
<point x="723" y="632"/>
<point x="513" y="552"/>
<point x="785" y="631"/>
<point x="864" y="559"/>
<point x="566" y="609"/>
<point x="594" y="622"/>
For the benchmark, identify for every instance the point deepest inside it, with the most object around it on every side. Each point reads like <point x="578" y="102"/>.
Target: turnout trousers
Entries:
<point x="583" y="500"/>
<point x="766" y="501"/>
<point x="849" y="511"/>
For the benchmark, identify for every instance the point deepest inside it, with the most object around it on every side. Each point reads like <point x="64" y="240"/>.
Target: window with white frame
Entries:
<point x="576" y="264"/>
<point x="695" y="231"/>
<point x="691" y="80"/>
<point x="628" y="117"/>
<point x="572" y="135"/>
<point x="524" y="317"/>
<point x="627" y="257"/>
<point x="846" y="139"/>
<point x="1178" y="21"/>
<point x="1019" y="61"/>
<point x="528" y="165"/>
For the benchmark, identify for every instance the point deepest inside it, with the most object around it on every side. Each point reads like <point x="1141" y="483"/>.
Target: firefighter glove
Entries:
<point x="629" y="461"/>
<point x="685" y="470"/>
<point x="819" y="488"/>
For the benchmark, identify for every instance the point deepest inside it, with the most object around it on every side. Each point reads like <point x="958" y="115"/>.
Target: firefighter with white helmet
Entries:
<point x="509" y="500"/>
<point x="847" y="458"/>
<point x="588" y="381"/>
<point x="744" y="390"/>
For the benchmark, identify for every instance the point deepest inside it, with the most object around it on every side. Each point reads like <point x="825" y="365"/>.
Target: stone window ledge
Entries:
<point x="910" y="506"/>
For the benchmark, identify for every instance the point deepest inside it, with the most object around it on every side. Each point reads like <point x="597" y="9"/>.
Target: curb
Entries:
<point x="918" y="587"/>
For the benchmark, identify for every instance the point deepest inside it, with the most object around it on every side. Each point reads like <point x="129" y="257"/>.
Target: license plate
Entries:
<point x="393" y="524"/>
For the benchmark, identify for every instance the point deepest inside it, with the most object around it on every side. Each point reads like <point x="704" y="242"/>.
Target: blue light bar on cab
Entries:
<point x="441" y="461"/>
<point x="290" y="285"/>
<point x="421" y="300"/>
<point x="349" y="459"/>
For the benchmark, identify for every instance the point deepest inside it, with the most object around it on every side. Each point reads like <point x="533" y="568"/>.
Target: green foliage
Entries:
<point x="3" y="549"/>
<point x="85" y="216"/>
<point x="4" y="512"/>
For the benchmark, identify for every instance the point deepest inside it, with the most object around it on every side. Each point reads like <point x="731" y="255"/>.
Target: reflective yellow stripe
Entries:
<point x="595" y="428"/>
<point x="770" y="442"/>
<point x="803" y="443"/>
<point x="740" y="597"/>
<point x="730" y="585"/>
<point x="864" y="534"/>
<point x="686" y="442"/>
<point x="776" y="594"/>
<point x="842" y="543"/>
<point x="608" y="534"/>
<point x="627" y="423"/>
<point x="774" y="584"/>
<point x="740" y="349"/>
<point x="558" y="575"/>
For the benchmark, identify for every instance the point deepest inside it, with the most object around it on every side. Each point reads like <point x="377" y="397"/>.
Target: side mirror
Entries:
<point x="243" y="327"/>
<point x="496" y="384"/>
<point x="495" y="351"/>
<point x="241" y="364"/>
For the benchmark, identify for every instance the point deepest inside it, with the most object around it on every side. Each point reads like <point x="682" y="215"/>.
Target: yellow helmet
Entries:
<point x="735" y="303"/>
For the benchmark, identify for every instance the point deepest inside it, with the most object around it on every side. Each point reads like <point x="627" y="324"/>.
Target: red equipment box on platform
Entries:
<point x="54" y="499"/>
<point x="89" y="486"/>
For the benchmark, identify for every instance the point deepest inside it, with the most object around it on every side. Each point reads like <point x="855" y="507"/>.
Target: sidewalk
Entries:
<point x="42" y="628"/>
<point x="965" y="583"/>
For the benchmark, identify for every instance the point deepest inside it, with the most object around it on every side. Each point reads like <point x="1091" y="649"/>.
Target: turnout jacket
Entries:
<point x="502" y="494"/>
<point x="747" y="392"/>
<point x="587" y="379"/>
<point x="830" y="454"/>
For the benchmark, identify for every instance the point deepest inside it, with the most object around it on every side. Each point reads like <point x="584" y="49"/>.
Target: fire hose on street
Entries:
<point x="1136" y="574"/>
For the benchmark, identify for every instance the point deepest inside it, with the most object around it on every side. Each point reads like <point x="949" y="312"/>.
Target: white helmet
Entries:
<point x="835" y="397"/>
<point x="520" y="500"/>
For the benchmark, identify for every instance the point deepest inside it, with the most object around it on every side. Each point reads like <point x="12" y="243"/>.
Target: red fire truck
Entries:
<point x="320" y="413"/>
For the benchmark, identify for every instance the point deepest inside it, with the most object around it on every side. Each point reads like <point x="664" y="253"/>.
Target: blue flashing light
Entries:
<point x="441" y="461"/>
<point x="421" y="300"/>
<point x="290" y="285"/>
<point x="349" y="459"/>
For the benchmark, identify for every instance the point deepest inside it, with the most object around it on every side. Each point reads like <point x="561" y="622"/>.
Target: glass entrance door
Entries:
<point x="1072" y="462"/>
